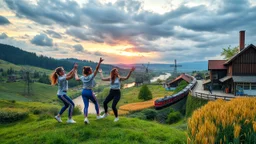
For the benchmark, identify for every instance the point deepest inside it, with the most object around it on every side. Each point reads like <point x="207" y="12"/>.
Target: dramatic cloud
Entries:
<point x="4" y="21"/>
<point x="53" y="34"/>
<point x="47" y="12"/>
<point x="3" y="36"/>
<point x="42" y="40"/>
<point x="186" y="30"/>
<point x="99" y="54"/>
<point x="78" y="48"/>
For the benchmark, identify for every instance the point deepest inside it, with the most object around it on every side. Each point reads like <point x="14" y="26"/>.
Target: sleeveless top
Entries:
<point x="116" y="84"/>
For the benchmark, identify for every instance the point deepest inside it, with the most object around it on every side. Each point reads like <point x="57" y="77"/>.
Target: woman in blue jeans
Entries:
<point x="87" y="93"/>
<point x="59" y="76"/>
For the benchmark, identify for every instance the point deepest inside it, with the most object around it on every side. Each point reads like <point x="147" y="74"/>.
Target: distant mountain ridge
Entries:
<point x="186" y="67"/>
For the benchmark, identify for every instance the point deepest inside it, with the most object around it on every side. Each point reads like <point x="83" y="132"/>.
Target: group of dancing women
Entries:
<point x="61" y="78"/>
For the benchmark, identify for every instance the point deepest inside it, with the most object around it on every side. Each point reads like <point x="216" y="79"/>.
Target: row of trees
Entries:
<point x="20" y="57"/>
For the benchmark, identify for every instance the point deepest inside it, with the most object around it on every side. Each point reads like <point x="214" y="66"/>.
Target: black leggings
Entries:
<point x="113" y="94"/>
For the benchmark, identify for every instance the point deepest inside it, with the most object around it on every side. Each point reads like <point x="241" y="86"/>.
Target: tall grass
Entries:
<point x="224" y="122"/>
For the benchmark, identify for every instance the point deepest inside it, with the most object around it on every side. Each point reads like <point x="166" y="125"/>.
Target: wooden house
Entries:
<point x="236" y="75"/>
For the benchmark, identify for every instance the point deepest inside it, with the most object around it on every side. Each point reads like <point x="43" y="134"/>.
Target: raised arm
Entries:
<point x="98" y="66"/>
<point x="102" y="77"/>
<point x="76" y="76"/>
<point x="72" y="72"/>
<point x="129" y="74"/>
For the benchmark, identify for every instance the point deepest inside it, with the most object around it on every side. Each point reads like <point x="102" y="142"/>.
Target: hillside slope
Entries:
<point x="41" y="127"/>
<point x="7" y="65"/>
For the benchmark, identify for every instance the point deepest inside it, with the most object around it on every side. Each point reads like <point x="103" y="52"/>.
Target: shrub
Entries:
<point x="77" y="110"/>
<point x="8" y="115"/>
<point x="145" y="93"/>
<point x="37" y="111"/>
<point x="224" y="122"/>
<point x="174" y="117"/>
<point x="12" y="101"/>
<point x="45" y="116"/>
<point x="138" y="115"/>
<point x="150" y="114"/>
<point x="162" y="114"/>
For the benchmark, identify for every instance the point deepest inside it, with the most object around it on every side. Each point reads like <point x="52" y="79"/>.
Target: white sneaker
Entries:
<point x="99" y="117"/>
<point x="86" y="121"/>
<point x="104" y="115"/>
<point x="58" y="119"/>
<point x="116" y="119"/>
<point x="71" y="121"/>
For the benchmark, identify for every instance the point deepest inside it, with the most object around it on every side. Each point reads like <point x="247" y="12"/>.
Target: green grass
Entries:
<point x="127" y="130"/>
<point x="130" y="95"/>
<point x="41" y="92"/>
<point x="7" y="65"/>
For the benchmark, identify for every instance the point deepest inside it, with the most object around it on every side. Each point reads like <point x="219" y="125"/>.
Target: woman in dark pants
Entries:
<point x="115" y="93"/>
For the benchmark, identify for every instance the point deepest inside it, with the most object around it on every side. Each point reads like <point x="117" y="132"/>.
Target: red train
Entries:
<point x="169" y="100"/>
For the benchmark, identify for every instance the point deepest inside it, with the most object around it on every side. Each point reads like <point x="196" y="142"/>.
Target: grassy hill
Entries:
<point x="38" y="129"/>
<point x="41" y="92"/>
<point x="7" y="65"/>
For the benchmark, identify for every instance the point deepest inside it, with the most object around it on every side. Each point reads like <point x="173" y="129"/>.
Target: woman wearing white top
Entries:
<point x="87" y="92"/>
<point x="59" y="76"/>
<point x="115" y="93"/>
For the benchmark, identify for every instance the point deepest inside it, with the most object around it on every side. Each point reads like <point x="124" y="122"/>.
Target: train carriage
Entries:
<point x="169" y="100"/>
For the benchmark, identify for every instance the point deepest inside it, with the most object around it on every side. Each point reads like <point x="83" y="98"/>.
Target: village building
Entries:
<point x="236" y="75"/>
<point x="174" y="83"/>
<point x="12" y="78"/>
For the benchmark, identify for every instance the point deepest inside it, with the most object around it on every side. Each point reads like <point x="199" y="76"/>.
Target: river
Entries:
<point x="161" y="77"/>
<point x="79" y="101"/>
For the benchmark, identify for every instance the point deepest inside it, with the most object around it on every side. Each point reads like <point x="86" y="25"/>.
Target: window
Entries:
<point x="253" y="86"/>
<point x="239" y="86"/>
<point x="246" y="86"/>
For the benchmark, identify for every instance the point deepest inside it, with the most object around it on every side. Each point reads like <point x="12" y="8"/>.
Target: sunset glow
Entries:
<point x="124" y="31"/>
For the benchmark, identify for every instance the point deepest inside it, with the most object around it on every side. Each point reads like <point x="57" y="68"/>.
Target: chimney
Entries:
<point x="241" y="39"/>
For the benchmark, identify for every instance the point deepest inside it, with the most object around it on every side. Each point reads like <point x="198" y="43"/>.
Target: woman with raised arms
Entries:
<point x="114" y="93"/>
<point x="87" y="93"/>
<point x="59" y="76"/>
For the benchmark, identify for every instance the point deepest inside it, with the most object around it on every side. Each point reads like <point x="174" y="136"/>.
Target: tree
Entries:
<point x="44" y="79"/>
<point x="145" y="93"/>
<point x="36" y="74"/>
<point x="229" y="52"/>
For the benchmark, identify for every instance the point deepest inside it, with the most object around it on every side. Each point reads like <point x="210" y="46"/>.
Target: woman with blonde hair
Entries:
<point x="59" y="76"/>
<point x="115" y="93"/>
<point x="87" y="93"/>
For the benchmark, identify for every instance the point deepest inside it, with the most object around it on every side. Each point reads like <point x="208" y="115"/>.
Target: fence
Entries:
<point x="211" y="96"/>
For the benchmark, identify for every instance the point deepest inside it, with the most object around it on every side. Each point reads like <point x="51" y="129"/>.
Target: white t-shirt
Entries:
<point x="62" y="85"/>
<point x="88" y="81"/>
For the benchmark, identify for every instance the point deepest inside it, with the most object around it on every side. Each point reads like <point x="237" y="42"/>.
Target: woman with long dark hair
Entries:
<point x="114" y="93"/>
<point x="87" y="93"/>
<point x="59" y="76"/>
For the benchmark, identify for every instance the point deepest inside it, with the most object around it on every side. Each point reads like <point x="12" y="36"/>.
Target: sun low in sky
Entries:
<point x="127" y="31"/>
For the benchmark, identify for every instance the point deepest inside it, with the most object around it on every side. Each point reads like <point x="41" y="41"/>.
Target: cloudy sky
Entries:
<point x="127" y="31"/>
